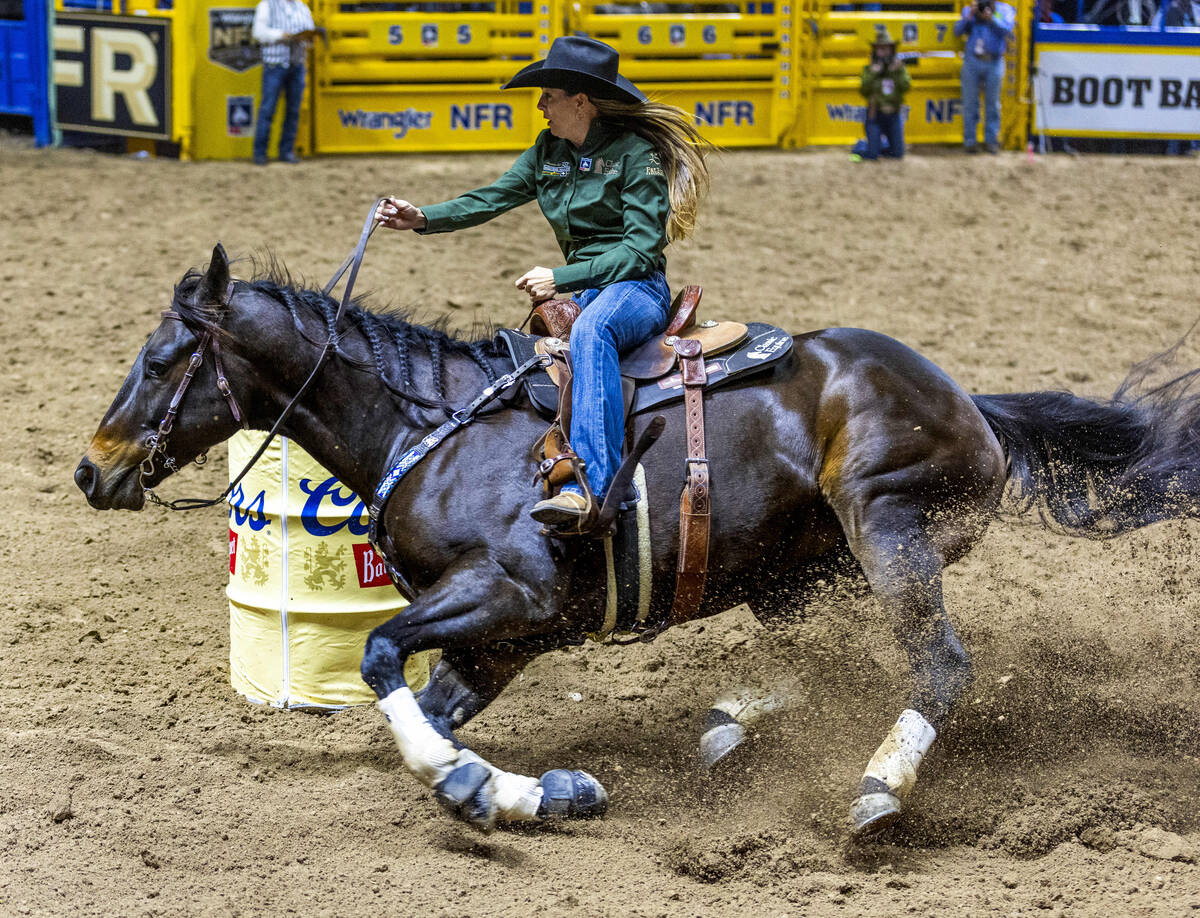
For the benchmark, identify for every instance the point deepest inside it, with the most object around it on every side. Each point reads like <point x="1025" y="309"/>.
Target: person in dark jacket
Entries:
<point x="884" y="82"/>
<point x="617" y="177"/>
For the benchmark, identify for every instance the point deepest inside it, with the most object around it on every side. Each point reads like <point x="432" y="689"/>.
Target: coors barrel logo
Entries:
<point x="253" y="513"/>
<point x="356" y="521"/>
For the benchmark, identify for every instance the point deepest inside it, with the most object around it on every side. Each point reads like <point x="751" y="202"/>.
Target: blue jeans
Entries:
<point x="615" y="319"/>
<point x="288" y="78"/>
<point x="882" y="125"/>
<point x="977" y="74"/>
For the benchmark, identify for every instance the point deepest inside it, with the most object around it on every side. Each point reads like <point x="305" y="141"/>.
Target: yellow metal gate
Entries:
<point x="428" y="77"/>
<point x="731" y="65"/>
<point x="838" y="46"/>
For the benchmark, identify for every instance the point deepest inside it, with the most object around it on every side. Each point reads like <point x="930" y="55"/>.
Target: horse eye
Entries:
<point x="156" y="368"/>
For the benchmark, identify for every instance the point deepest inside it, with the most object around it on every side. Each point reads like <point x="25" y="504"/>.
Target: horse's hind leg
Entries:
<point x="730" y="714"/>
<point x="725" y="723"/>
<point x="904" y="568"/>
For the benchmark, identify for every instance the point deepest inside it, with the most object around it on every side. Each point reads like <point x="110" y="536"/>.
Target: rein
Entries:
<point x="157" y="441"/>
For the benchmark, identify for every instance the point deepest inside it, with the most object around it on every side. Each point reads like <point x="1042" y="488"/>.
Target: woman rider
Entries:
<point x="617" y="177"/>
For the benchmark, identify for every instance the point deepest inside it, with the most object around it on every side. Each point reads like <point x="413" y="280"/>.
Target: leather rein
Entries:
<point x="156" y="442"/>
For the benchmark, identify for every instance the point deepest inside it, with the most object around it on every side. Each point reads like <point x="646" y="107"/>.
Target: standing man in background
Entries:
<point x="284" y="29"/>
<point x="987" y="27"/>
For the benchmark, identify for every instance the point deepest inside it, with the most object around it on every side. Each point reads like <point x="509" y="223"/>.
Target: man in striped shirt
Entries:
<point x="283" y="28"/>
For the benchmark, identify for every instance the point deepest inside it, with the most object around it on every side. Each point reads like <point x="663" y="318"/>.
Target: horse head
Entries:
<point x="151" y="429"/>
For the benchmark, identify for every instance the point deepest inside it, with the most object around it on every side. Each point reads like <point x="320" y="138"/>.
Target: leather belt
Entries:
<point x="695" y="500"/>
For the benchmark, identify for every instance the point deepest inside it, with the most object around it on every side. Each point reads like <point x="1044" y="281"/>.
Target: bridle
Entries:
<point x="156" y="442"/>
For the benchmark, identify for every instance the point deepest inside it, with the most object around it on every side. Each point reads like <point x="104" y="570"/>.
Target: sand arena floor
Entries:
<point x="134" y="781"/>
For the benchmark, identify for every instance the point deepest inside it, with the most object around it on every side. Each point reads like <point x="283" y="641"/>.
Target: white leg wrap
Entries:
<point x="895" y="762"/>
<point x="431" y="757"/>
<point x="517" y="797"/>
<point x="428" y="754"/>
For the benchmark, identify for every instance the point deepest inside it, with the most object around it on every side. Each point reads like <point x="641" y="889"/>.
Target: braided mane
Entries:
<point x="390" y="335"/>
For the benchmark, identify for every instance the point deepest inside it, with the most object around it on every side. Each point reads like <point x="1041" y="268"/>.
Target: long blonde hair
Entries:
<point x="679" y="146"/>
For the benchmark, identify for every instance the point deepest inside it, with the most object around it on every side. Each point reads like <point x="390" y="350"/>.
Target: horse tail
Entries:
<point x="1099" y="468"/>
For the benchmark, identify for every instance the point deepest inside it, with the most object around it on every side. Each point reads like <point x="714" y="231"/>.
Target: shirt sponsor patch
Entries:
<point x="653" y="170"/>
<point x="563" y="168"/>
<point x="585" y="164"/>
<point x="602" y="166"/>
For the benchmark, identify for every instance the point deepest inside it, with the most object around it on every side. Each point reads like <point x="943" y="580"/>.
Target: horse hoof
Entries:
<point x="571" y="794"/>
<point x="717" y="742"/>
<point x="871" y="814"/>
<point x="466" y="792"/>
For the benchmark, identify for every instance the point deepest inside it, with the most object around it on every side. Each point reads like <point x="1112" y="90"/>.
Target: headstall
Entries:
<point x="157" y="441"/>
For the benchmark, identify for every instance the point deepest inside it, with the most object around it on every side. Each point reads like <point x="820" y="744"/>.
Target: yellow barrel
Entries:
<point x="305" y="586"/>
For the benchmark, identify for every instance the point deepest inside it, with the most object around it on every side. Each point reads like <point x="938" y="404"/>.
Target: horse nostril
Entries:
<point x="85" y="476"/>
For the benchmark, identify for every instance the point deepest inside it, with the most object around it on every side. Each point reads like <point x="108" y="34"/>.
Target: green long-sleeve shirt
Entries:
<point x="886" y="89"/>
<point x="607" y="202"/>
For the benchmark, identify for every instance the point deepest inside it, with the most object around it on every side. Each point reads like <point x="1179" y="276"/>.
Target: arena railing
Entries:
<point x="731" y="65"/>
<point x="427" y="76"/>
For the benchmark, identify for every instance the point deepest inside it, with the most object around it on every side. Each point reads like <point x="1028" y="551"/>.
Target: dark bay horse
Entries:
<point x="853" y="447"/>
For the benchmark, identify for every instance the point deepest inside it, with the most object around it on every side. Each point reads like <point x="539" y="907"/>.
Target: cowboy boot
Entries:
<point x="566" y="513"/>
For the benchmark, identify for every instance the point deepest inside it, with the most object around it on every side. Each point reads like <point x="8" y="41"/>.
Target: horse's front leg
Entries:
<point x="466" y="681"/>
<point x="475" y="602"/>
<point x="904" y="569"/>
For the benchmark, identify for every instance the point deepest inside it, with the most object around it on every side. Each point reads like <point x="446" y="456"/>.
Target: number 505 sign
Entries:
<point x="420" y="37"/>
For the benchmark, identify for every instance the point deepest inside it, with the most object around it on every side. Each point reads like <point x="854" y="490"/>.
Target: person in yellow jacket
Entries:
<point x="885" y="80"/>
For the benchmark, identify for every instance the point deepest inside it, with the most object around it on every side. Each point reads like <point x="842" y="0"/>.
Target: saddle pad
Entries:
<point x="538" y="384"/>
<point x="764" y="345"/>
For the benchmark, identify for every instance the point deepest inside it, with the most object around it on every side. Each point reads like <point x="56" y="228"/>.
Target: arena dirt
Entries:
<point x="134" y="781"/>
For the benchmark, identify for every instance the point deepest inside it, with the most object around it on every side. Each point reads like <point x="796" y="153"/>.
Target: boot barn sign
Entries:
<point x="1130" y="82"/>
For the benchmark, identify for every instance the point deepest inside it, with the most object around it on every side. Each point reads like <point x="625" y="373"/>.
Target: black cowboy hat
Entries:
<point x="579" y="65"/>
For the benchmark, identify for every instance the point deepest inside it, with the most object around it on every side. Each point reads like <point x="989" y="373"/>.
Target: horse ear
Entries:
<point x="216" y="278"/>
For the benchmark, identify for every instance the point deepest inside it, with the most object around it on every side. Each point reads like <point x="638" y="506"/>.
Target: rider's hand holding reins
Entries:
<point x="538" y="283"/>
<point x="400" y="215"/>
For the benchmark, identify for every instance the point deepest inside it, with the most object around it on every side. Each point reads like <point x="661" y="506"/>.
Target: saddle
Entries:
<point x="689" y="357"/>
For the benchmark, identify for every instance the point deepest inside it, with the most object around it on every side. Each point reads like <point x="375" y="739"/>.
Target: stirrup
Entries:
<point x="599" y="521"/>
